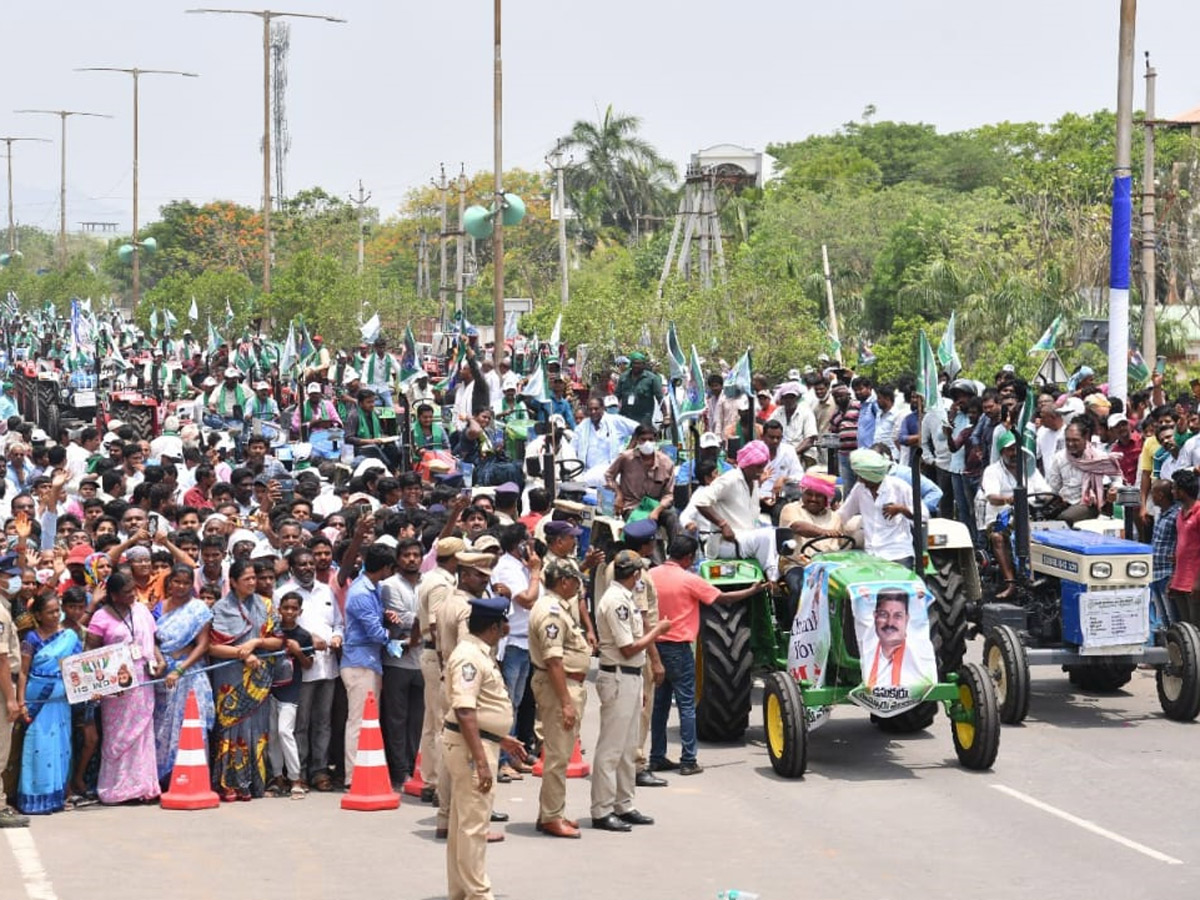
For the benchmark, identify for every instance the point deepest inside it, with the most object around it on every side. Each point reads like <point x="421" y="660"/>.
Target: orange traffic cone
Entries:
<point x="371" y="788"/>
<point x="576" y="768"/>
<point x="415" y="783"/>
<point x="190" y="786"/>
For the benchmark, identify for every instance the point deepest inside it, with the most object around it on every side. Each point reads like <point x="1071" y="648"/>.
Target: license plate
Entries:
<point x="83" y="398"/>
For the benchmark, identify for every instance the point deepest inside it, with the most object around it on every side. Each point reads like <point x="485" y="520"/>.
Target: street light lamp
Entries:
<point x="62" y="186"/>
<point x="136" y="73"/>
<point x="12" y="228"/>
<point x="267" y="15"/>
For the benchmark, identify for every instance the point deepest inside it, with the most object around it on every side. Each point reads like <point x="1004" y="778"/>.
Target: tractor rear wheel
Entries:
<point x="142" y="420"/>
<point x="723" y="671"/>
<point x="975" y="720"/>
<point x="1101" y="677"/>
<point x="948" y="611"/>
<point x="785" y="725"/>
<point x="1179" y="680"/>
<point x="1005" y="659"/>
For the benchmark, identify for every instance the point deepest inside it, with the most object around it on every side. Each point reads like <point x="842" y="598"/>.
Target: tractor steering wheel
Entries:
<point x="1048" y="503"/>
<point x="569" y="469"/>
<point x="844" y="540"/>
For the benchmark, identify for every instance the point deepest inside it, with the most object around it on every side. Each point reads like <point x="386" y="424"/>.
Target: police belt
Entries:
<point x="486" y="735"/>
<point x="573" y="676"/>
<point x="624" y="670"/>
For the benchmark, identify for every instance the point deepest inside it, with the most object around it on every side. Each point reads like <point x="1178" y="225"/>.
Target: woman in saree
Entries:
<point x="183" y="635"/>
<point x="128" y="770"/>
<point x="46" y="756"/>
<point x="244" y="625"/>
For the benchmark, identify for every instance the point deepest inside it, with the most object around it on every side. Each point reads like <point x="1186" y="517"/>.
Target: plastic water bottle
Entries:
<point x="735" y="894"/>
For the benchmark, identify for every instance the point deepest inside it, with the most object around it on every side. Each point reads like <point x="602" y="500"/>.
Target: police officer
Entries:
<point x="435" y="586"/>
<point x="623" y="644"/>
<point x="640" y="537"/>
<point x="478" y="718"/>
<point x="561" y="657"/>
<point x="453" y="614"/>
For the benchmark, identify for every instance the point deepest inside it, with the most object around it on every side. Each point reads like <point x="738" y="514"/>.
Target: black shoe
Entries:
<point x="633" y="817"/>
<point x="611" y="823"/>
<point x="663" y="765"/>
<point x="429" y="795"/>
<point x="691" y="769"/>
<point x="499" y="817"/>
<point x="646" y="778"/>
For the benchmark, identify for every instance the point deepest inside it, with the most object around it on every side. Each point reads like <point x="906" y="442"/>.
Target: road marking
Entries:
<point x="33" y="873"/>
<point x="1089" y="826"/>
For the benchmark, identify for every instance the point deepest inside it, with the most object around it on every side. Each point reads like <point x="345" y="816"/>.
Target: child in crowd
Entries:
<point x="83" y="715"/>
<point x="285" y="699"/>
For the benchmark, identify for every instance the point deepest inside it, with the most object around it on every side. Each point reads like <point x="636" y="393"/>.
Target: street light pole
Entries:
<point x="62" y="187"/>
<point x="12" y="227"/>
<point x="136" y="74"/>
<point x="498" y="220"/>
<point x="555" y="159"/>
<point x="267" y="15"/>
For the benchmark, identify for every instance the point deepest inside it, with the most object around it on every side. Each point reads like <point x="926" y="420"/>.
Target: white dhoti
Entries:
<point x="756" y="542"/>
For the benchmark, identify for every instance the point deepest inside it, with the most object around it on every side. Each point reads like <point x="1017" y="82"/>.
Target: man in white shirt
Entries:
<point x="79" y="452"/>
<point x="888" y="419"/>
<point x="1070" y="472"/>
<point x="1049" y="434"/>
<point x="799" y="423"/>
<point x="321" y="617"/>
<point x="784" y="467"/>
<point x="731" y="503"/>
<point x="599" y="439"/>
<point x="885" y="504"/>
<point x="516" y="575"/>
<point x="996" y="487"/>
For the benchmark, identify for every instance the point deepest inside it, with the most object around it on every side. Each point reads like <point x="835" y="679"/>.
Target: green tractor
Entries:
<point x="805" y="677"/>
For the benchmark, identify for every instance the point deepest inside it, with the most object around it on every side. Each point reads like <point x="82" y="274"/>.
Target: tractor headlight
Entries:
<point x="1138" y="569"/>
<point x="1101" y="570"/>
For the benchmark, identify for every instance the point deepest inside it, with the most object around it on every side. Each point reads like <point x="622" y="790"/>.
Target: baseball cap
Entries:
<point x="627" y="562"/>
<point x="480" y="562"/>
<point x="1116" y="419"/>
<point x="562" y="567"/>
<point x="708" y="439"/>
<point x="233" y="372"/>
<point x="561" y="529"/>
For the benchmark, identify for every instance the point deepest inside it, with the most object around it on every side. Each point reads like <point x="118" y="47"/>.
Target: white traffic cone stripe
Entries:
<point x="191" y="758"/>
<point x="370" y="723"/>
<point x="192" y="723"/>
<point x="368" y="758"/>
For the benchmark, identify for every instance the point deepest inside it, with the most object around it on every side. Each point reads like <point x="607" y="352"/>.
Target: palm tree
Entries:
<point x="618" y="176"/>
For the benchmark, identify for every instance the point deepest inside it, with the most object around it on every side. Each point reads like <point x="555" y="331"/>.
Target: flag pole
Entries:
<point x="1122" y="211"/>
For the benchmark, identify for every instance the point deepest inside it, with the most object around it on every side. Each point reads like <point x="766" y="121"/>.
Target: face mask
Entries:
<point x="14" y="585"/>
<point x="647" y="447"/>
<point x="639" y="585"/>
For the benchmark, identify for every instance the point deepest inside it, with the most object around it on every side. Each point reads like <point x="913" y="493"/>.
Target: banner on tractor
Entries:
<point x="808" y="649"/>
<point x="895" y="651"/>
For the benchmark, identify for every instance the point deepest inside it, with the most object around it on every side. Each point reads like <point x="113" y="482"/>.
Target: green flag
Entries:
<point x="675" y="358"/>
<point x="536" y="387"/>
<point x="1027" y="433"/>
<point x="946" y="353"/>
<point x="1048" y="338"/>
<point x="927" y="372"/>
<point x="409" y="364"/>
<point x="214" y="339"/>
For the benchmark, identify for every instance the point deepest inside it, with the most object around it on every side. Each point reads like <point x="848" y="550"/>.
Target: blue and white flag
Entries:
<point x="737" y="382"/>
<point x="946" y="353"/>
<point x="370" y="330"/>
<point x="675" y="358"/>
<point x="510" y="325"/>
<point x="193" y="311"/>
<point x="1048" y="338"/>
<point x="536" y="387"/>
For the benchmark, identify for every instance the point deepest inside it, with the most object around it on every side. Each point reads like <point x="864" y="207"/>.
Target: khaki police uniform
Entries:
<point x="645" y="595"/>
<point x="10" y="646"/>
<point x="452" y="614"/>
<point x="619" y="686"/>
<point x="434" y="587"/>
<point x="570" y="604"/>
<point x="554" y="634"/>
<point x="473" y="681"/>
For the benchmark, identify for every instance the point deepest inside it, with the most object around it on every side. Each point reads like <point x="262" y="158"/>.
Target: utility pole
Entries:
<point x="555" y="161"/>
<point x="443" y="264"/>
<point x="12" y="225"/>
<point x="1122" y="211"/>
<point x="1149" y="235"/>
<point x="361" y="202"/>
<point x="459" y="269"/>
<point x="498" y="220"/>
<point x="62" y="184"/>
<point x="833" y="322"/>
<point x="136" y="73"/>
<point x="267" y="15"/>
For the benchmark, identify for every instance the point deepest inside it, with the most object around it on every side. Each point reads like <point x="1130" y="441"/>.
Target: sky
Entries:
<point x="405" y="86"/>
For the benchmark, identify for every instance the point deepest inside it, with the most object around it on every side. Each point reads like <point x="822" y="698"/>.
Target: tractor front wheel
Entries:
<point x="1179" y="680"/>
<point x="785" y="725"/>
<point x="724" y="663"/>
<point x="975" y="719"/>
<point x="1006" y="661"/>
<point x="910" y="721"/>
<point x="1101" y="677"/>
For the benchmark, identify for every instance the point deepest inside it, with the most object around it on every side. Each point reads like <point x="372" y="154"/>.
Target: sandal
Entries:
<point x="297" y="792"/>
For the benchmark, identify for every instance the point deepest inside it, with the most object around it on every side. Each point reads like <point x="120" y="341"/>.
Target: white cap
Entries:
<point x="610" y="402"/>
<point x="171" y="423"/>
<point x="708" y="439"/>
<point x="115" y="424"/>
<point x="1116" y="419"/>
<point x="209" y="382"/>
<point x="242" y="536"/>
<point x="233" y="372"/>
<point x="388" y="541"/>
<point x="367" y="465"/>
<point x="349" y="375"/>
<point x="793" y="374"/>
<point x="510" y="382"/>
<point x="313" y="388"/>
<point x="261" y="386"/>
<point x="263" y="550"/>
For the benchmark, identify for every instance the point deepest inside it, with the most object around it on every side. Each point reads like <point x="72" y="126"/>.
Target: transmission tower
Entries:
<point x="283" y="140"/>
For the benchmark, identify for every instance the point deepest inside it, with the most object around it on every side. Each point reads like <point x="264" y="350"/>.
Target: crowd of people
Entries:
<point x="431" y="566"/>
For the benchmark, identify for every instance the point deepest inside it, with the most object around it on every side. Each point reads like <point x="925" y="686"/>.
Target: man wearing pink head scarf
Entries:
<point x="732" y="505"/>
